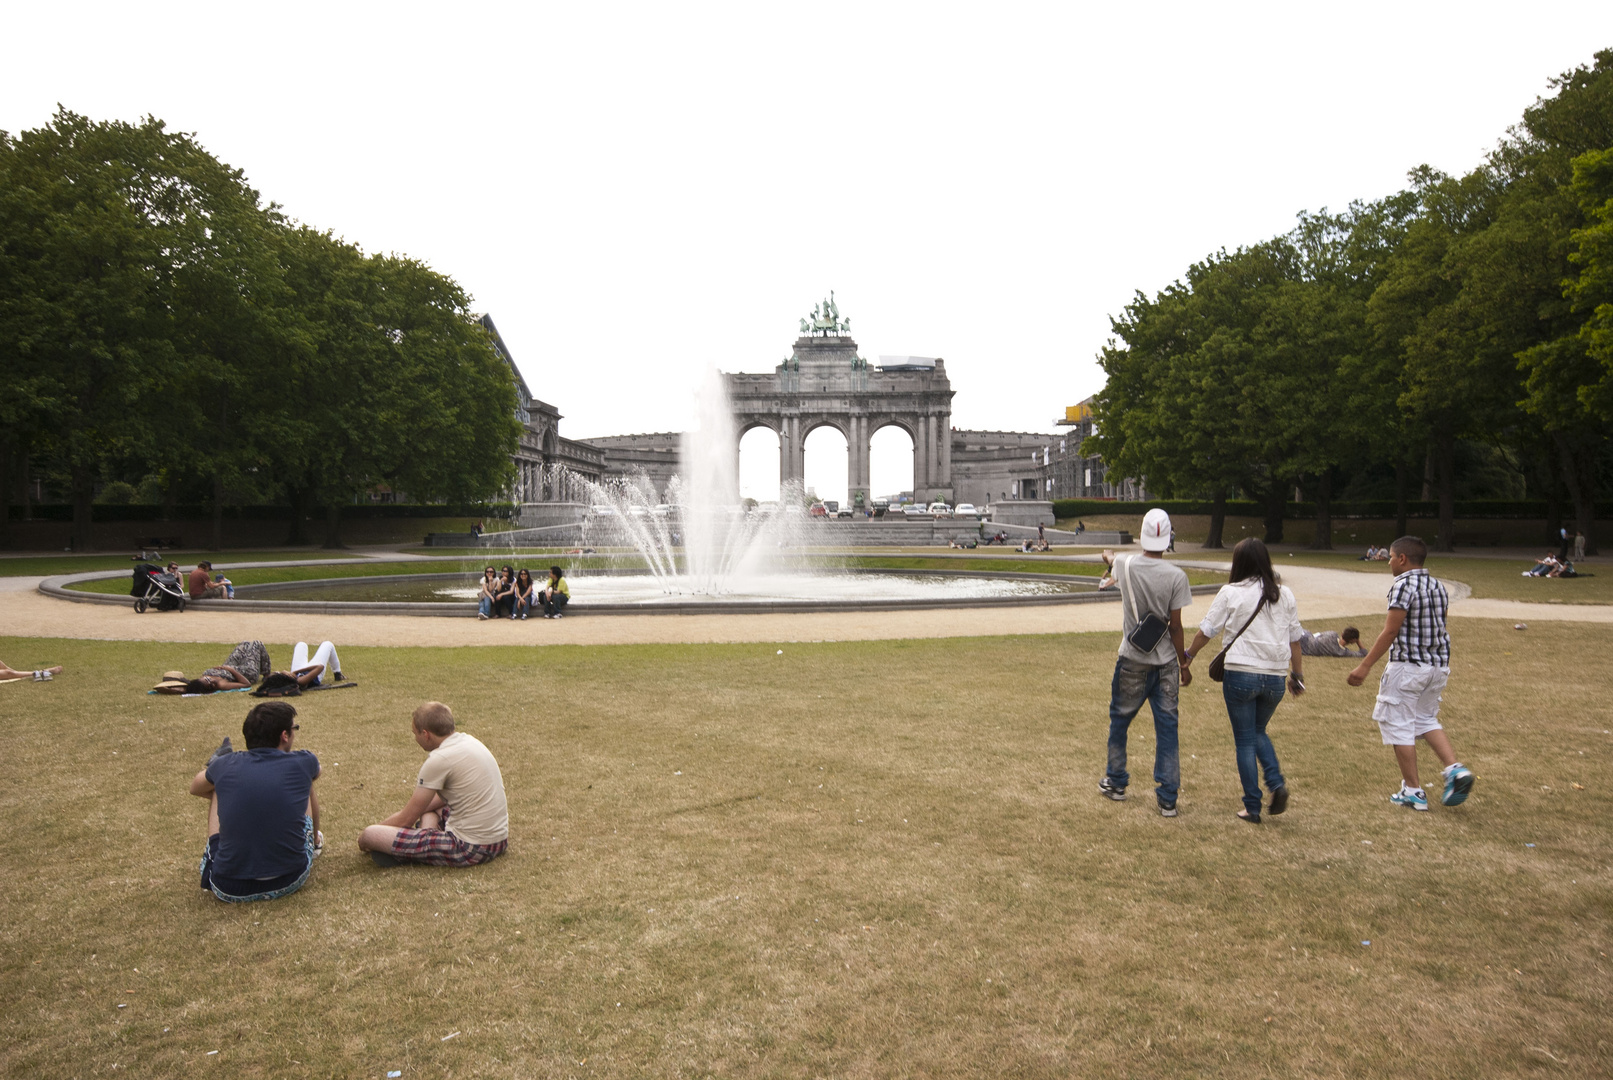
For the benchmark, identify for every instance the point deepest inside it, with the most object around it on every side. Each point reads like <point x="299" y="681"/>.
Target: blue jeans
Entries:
<point x="484" y="606"/>
<point x="1159" y="685"/>
<point x="1251" y="699"/>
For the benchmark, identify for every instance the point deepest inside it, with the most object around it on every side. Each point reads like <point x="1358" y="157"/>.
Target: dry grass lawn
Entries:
<point x="856" y="859"/>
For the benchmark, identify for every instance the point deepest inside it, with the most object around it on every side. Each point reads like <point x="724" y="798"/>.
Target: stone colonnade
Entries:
<point x="932" y="449"/>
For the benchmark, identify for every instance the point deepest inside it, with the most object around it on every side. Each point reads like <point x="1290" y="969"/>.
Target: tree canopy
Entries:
<point x="1472" y="311"/>
<point x="157" y="320"/>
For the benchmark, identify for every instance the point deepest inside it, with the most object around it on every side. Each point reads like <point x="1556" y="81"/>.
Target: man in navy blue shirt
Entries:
<point x="262" y="815"/>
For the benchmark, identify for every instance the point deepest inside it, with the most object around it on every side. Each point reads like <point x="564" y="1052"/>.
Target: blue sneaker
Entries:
<point x="1458" y="782"/>
<point x="1415" y="798"/>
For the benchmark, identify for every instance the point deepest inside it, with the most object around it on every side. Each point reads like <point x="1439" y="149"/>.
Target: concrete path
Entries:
<point x="1325" y="595"/>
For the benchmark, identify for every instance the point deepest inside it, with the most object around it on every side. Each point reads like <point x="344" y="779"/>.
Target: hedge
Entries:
<point x="203" y="512"/>
<point x="1379" y="509"/>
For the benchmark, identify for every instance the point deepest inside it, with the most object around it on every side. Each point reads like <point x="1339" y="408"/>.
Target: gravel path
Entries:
<point x="1325" y="595"/>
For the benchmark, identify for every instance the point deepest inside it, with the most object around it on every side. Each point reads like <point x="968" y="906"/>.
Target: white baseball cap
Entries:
<point x="1156" y="535"/>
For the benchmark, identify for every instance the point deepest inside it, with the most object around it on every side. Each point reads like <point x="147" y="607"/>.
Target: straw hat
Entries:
<point x="173" y="682"/>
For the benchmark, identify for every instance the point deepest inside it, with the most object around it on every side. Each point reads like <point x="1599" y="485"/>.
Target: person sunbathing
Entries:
<point x="249" y="662"/>
<point x="42" y="675"/>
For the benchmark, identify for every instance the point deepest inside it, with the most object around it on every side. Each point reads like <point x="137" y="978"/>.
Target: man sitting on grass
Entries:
<point x="262" y="815"/>
<point x="457" y="815"/>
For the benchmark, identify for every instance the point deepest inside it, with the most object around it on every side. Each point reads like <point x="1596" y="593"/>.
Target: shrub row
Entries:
<point x="204" y="512"/>
<point x="1379" y="509"/>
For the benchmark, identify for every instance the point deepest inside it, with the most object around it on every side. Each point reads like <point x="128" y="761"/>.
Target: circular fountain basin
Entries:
<point x="592" y="592"/>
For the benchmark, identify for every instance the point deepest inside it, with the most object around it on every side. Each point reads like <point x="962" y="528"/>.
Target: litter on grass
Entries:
<point x="1366" y="943"/>
<point x="394" y="1073"/>
<point x="450" y="1035"/>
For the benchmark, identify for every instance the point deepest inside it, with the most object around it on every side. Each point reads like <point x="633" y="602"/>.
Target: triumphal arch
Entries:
<point x="825" y="383"/>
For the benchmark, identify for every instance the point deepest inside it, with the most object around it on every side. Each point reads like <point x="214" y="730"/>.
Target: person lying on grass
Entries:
<point x="457" y="815"/>
<point x="262" y="814"/>
<point x="1346" y="642"/>
<point x="249" y="661"/>
<point x="42" y="675"/>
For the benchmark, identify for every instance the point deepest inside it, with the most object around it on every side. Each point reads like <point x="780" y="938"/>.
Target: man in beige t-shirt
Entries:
<point x="457" y="815"/>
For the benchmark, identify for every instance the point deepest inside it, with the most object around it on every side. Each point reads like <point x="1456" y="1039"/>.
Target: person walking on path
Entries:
<point x="457" y="815"/>
<point x="1419" y="648"/>
<point x="1579" y="545"/>
<point x="1150" y="666"/>
<point x="1263" y="620"/>
<point x="262" y="814"/>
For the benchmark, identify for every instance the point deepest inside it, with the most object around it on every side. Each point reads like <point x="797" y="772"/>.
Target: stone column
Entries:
<point x="923" y="461"/>
<point x="944" y="423"/>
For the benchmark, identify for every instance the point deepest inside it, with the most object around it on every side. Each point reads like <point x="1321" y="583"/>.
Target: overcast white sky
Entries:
<point x="635" y="191"/>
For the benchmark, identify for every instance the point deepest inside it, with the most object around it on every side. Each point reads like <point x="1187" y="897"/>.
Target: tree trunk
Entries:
<point x="218" y="512"/>
<point x="1402" y="491"/>
<point x="1445" y="454"/>
<point x="1579" y="471"/>
<point x="8" y="459"/>
<point x="298" y="534"/>
<point x="333" y="524"/>
<point x="83" y="497"/>
<point x="1218" y="520"/>
<point x="27" y="489"/>
<point x="1276" y="504"/>
<point x="170" y="495"/>
<point x="1429" y="482"/>
<point x="1554" y="507"/>
<point x="1324" y="512"/>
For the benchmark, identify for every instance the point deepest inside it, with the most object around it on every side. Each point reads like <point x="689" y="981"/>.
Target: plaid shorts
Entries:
<point x="439" y="847"/>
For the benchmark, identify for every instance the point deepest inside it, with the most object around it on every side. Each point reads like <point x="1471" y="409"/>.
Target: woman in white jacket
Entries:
<point x="1259" y="657"/>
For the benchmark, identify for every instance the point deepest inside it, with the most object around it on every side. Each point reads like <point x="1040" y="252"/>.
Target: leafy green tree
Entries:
<point x="105" y="229"/>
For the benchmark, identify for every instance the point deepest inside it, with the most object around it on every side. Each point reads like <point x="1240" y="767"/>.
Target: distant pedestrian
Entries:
<point x="1419" y="648"/>
<point x="1562" y="551"/>
<point x="1041" y="531"/>
<point x="1579" y="545"/>
<point x="1149" y="668"/>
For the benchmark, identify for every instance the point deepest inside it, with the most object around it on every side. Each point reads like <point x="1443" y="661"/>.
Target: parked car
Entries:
<point x="915" y="510"/>
<point x="940" y="509"/>
<point x="819" y="510"/>
<point x="965" y="510"/>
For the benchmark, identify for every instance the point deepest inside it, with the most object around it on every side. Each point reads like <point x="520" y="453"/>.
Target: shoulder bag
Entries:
<point x="1150" y="628"/>
<point x="1218" y="666"/>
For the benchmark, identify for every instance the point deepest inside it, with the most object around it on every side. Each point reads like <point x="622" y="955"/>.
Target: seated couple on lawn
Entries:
<point x="515" y="595"/>
<point x="248" y="662"/>
<point x="263" y="816"/>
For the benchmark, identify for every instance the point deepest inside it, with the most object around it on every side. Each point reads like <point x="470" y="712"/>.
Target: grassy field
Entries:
<point x="1489" y="577"/>
<point x="46" y="565"/>
<point x="842" y="860"/>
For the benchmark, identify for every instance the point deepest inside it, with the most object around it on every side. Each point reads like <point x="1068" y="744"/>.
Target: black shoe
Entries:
<point x="1244" y="815"/>
<point x="381" y="858"/>
<point x="339" y="677"/>
<point x="1167" y="809"/>
<point x="223" y="748"/>
<point x="1118" y="794"/>
<point x="1279" y="801"/>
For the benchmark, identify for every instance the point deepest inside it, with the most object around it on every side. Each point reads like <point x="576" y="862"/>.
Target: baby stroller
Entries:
<point x="154" y="586"/>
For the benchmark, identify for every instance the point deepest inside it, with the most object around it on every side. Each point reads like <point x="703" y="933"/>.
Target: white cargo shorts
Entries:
<point x="1408" y="701"/>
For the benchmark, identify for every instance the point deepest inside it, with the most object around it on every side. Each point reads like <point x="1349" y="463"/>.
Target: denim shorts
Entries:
<point x="272" y="889"/>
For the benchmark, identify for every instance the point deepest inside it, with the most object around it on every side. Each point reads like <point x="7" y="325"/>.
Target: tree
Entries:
<point x="102" y="225"/>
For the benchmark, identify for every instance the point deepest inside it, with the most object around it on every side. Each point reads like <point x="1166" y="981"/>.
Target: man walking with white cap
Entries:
<point x="1153" y="593"/>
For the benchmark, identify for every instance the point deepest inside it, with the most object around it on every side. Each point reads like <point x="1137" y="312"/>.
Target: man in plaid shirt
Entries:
<point x="1419" y="650"/>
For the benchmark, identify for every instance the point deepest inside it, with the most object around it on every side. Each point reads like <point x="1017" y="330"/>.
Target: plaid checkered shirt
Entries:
<point x="1423" y="638"/>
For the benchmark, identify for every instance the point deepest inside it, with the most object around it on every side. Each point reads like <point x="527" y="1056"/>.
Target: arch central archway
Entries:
<point x="826" y="454"/>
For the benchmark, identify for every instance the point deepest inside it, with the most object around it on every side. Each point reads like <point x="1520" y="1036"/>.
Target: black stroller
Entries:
<point x="155" y="587"/>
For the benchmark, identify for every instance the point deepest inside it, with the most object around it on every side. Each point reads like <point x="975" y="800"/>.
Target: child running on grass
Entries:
<point x="1419" y="648"/>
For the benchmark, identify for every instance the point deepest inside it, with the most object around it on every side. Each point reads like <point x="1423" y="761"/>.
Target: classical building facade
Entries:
<point x="825" y="383"/>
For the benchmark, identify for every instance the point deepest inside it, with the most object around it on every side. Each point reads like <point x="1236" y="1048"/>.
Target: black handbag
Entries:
<point x="1150" y="628"/>
<point x="1218" y="666"/>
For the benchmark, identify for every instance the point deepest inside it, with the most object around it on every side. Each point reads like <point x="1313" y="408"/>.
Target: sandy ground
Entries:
<point x="1324" y="596"/>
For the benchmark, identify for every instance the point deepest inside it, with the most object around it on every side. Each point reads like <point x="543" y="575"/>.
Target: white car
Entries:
<point x="965" y="510"/>
<point x="915" y="510"/>
<point x="940" y="509"/>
